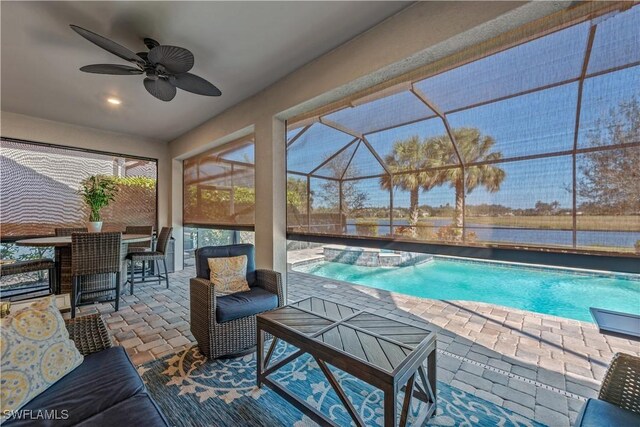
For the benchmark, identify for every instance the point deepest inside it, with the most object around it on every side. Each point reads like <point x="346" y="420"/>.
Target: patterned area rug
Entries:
<point x="195" y="392"/>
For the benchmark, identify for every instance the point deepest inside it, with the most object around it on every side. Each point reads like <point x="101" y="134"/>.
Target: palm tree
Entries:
<point x="409" y="162"/>
<point x="474" y="148"/>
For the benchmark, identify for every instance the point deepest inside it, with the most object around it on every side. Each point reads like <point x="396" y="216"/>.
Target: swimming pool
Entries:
<point x="559" y="292"/>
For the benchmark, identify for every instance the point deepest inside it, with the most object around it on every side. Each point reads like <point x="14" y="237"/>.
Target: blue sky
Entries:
<point x="539" y="122"/>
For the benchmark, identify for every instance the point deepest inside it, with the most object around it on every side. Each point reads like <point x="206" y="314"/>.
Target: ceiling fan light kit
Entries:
<point x="165" y="67"/>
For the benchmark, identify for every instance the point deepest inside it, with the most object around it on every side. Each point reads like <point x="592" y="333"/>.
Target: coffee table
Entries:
<point x="384" y="353"/>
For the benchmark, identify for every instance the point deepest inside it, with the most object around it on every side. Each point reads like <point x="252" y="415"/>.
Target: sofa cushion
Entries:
<point x="243" y="304"/>
<point x="139" y="410"/>
<point x="36" y="352"/>
<point x="104" y="379"/>
<point x="598" y="413"/>
<point x="203" y="254"/>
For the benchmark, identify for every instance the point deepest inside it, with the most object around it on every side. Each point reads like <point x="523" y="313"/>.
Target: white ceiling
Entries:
<point x="241" y="47"/>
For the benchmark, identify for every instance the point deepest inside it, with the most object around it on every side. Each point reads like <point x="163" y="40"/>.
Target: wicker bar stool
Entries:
<point x="61" y="232"/>
<point x="139" y="229"/>
<point x="140" y="246"/>
<point x="95" y="259"/>
<point x="29" y="266"/>
<point x="64" y="232"/>
<point x="160" y="254"/>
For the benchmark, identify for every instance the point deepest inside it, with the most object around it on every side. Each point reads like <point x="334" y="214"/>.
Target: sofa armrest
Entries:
<point x="271" y="281"/>
<point x="89" y="334"/>
<point x="620" y="385"/>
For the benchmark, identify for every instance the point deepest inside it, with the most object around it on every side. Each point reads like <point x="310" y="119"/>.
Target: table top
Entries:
<point x="66" y="240"/>
<point x="376" y="341"/>
<point x="623" y="324"/>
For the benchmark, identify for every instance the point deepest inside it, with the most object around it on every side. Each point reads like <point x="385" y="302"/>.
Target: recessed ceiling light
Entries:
<point x="114" y="101"/>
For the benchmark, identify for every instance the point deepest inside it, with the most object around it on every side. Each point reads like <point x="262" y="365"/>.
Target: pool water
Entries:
<point x="558" y="293"/>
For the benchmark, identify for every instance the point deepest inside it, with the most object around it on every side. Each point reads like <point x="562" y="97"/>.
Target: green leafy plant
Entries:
<point x="98" y="191"/>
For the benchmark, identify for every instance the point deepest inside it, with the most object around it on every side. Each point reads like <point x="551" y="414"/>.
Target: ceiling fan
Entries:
<point x="166" y="67"/>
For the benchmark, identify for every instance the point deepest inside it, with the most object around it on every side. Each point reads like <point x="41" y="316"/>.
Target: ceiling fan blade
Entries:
<point x="160" y="88"/>
<point x="108" y="45"/>
<point x="194" y="84"/>
<point x="175" y="59"/>
<point x="120" y="70"/>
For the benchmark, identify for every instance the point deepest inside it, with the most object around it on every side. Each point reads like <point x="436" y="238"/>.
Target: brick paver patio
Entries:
<point x="542" y="367"/>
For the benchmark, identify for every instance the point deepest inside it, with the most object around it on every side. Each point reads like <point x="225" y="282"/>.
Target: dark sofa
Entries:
<point x="105" y="390"/>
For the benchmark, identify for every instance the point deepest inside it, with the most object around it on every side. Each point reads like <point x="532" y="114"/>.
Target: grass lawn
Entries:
<point x="605" y="222"/>
<point x="611" y="223"/>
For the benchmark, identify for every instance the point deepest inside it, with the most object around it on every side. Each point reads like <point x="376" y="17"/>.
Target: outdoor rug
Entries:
<point x="195" y="392"/>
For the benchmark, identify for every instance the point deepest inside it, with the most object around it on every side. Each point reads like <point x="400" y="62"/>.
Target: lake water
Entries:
<point x="485" y="233"/>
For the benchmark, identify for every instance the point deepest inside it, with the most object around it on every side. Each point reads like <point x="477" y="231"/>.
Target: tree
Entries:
<point x="542" y="208"/>
<point x="609" y="182"/>
<point x="473" y="147"/>
<point x="296" y="194"/>
<point x="410" y="162"/>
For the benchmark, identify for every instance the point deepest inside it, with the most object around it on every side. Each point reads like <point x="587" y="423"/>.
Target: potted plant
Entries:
<point x="97" y="191"/>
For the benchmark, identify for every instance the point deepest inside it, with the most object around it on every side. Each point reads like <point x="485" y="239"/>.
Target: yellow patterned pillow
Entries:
<point x="229" y="274"/>
<point x="35" y="353"/>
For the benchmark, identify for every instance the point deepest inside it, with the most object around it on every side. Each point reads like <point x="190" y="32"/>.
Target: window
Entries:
<point x="536" y="146"/>
<point x="219" y="187"/>
<point x="39" y="188"/>
<point x="195" y="238"/>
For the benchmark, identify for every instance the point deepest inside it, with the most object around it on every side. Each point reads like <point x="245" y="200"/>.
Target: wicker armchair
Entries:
<point x="618" y="402"/>
<point x="621" y="384"/>
<point x="216" y="336"/>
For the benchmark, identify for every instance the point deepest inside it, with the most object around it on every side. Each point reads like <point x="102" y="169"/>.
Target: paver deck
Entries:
<point x="540" y="366"/>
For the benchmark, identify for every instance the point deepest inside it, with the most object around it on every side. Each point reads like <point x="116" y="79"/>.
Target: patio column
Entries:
<point x="176" y="212"/>
<point x="271" y="208"/>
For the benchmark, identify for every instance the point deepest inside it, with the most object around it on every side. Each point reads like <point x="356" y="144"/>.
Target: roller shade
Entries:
<point x="219" y="187"/>
<point x="39" y="188"/>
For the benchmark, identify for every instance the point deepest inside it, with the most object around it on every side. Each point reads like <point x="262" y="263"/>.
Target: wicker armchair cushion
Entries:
<point x="243" y="304"/>
<point x="203" y="254"/>
<point x="104" y="379"/>
<point x="598" y="413"/>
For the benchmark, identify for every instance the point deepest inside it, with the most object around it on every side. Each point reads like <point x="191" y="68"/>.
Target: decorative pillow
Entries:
<point x="35" y="352"/>
<point x="229" y="274"/>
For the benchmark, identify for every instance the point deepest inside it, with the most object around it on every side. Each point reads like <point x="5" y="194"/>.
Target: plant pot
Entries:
<point x="94" y="227"/>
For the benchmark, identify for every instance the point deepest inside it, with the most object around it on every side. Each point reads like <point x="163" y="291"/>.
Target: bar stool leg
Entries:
<point x="133" y="264"/>
<point x="117" y="291"/>
<point x="166" y="272"/>
<point x="53" y="289"/>
<point x="73" y="297"/>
